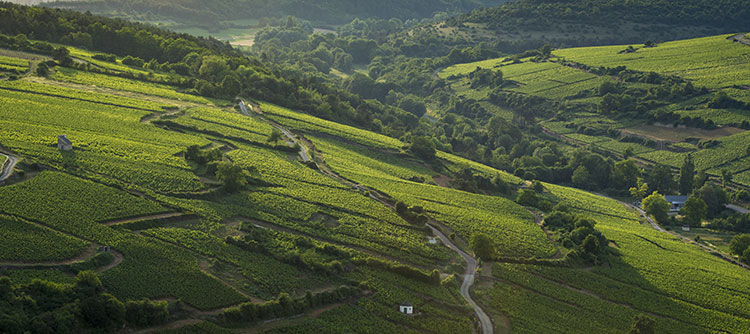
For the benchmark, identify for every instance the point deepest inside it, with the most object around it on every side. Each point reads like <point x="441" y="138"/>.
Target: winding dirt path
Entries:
<point x="471" y="269"/>
<point x="471" y="263"/>
<point x="142" y="218"/>
<point x="288" y="134"/>
<point x="7" y="167"/>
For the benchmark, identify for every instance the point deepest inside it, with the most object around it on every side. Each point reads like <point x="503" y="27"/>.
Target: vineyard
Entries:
<point x="358" y="214"/>
<point x="24" y="241"/>
<point x="710" y="61"/>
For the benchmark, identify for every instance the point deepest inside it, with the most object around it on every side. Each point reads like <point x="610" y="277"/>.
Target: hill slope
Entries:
<point x="528" y="24"/>
<point x="329" y="11"/>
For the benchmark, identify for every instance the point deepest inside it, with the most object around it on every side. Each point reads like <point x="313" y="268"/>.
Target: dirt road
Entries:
<point x="7" y="167"/>
<point x="471" y="268"/>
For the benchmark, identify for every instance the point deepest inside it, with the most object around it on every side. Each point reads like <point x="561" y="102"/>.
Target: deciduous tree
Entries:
<point x="657" y="206"/>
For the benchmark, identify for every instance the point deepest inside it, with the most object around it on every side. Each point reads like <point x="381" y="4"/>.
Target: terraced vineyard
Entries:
<point x="713" y="61"/>
<point x="187" y="200"/>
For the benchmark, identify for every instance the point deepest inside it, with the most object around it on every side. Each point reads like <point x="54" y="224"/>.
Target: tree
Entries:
<point x="625" y="174"/>
<point x="591" y="244"/>
<point x="145" y="313"/>
<point x="715" y="198"/>
<point x="581" y="178"/>
<point x="87" y="283"/>
<point x="739" y="244"/>
<point x="700" y="180"/>
<point x="726" y="177"/>
<point x="643" y="324"/>
<point x="212" y="67"/>
<point x="233" y="176"/>
<point x="482" y="246"/>
<point x="423" y="147"/>
<point x="62" y="56"/>
<point x="103" y="311"/>
<point x="657" y="206"/>
<point x="687" y="174"/>
<point x="695" y="210"/>
<point x="660" y="179"/>
<point x="527" y="197"/>
<point x="275" y="136"/>
<point x="230" y="86"/>
<point x="42" y="70"/>
<point x="640" y="189"/>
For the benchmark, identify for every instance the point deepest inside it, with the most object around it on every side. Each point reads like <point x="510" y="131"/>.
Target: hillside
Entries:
<point x="165" y="183"/>
<point x="612" y="99"/>
<point x="179" y="231"/>
<point x="328" y="12"/>
<point x="526" y="24"/>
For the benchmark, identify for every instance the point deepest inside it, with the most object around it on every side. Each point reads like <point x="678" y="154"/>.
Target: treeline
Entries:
<point x="81" y="307"/>
<point x="208" y="13"/>
<point x="591" y="22"/>
<point x="286" y="306"/>
<point x="299" y="251"/>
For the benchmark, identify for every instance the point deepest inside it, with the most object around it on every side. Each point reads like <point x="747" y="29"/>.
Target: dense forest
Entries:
<point x="330" y="11"/>
<point x="531" y="23"/>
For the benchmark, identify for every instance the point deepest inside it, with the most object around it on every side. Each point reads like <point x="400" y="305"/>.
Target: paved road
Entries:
<point x="9" y="165"/>
<point x="471" y="268"/>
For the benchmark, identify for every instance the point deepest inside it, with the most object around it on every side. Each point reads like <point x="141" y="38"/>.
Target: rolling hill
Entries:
<point x="212" y="192"/>
<point x="330" y="12"/>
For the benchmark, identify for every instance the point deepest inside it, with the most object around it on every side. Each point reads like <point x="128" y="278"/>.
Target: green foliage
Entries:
<point x="232" y="175"/>
<point x="739" y="244"/>
<point x="423" y="147"/>
<point x="714" y="196"/>
<point x="482" y="246"/>
<point x="660" y="179"/>
<point x="695" y="211"/>
<point x="687" y="175"/>
<point x="643" y="324"/>
<point x="657" y="206"/>
<point x="145" y="313"/>
<point x="527" y="197"/>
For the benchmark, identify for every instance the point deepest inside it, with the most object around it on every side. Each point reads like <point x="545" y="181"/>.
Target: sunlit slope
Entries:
<point x="714" y="62"/>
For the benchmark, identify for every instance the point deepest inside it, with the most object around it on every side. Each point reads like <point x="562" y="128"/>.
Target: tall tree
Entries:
<point x="660" y="179"/>
<point x="695" y="211"/>
<point x="714" y="196"/>
<point x="640" y="189"/>
<point x="687" y="173"/>
<point x="233" y="176"/>
<point x="625" y="174"/>
<point x="656" y="205"/>
<point x="700" y="180"/>
<point x="482" y="246"/>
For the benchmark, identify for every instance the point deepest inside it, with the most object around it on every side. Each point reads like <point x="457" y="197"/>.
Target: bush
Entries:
<point x="145" y="313"/>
